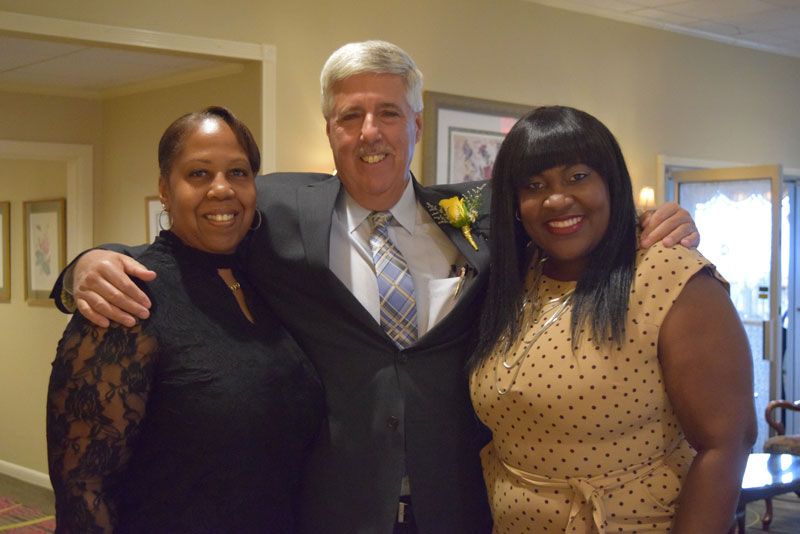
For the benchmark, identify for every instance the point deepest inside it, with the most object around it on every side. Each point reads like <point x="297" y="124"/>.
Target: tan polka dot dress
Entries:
<point x="586" y="440"/>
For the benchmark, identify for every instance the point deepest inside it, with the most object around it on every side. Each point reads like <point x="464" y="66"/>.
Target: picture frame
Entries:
<point x="461" y="136"/>
<point x="45" y="240"/>
<point x="5" y="251"/>
<point x="152" y="212"/>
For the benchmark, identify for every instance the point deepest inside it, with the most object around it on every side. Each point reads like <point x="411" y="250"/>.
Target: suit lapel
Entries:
<point x="315" y="203"/>
<point x="477" y="259"/>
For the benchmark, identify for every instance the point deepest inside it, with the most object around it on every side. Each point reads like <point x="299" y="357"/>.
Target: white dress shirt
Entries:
<point x="428" y="252"/>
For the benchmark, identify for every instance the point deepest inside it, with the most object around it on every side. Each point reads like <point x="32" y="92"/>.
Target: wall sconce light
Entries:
<point x="647" y="198"/>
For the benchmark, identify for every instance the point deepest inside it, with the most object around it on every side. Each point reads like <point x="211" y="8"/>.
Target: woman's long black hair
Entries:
<point x="550" y="137"/>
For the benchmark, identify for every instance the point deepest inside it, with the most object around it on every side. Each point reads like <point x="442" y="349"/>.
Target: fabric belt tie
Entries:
<point x="588" y="494"/>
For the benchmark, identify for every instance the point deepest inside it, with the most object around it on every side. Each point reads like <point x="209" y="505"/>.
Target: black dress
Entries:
<point x="195" y="420"/>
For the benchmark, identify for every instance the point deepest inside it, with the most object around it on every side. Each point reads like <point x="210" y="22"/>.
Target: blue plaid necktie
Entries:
<point x="395" y="285"/>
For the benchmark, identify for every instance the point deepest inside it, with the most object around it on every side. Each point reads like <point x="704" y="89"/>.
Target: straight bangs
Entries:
<point x="548" y="144"/>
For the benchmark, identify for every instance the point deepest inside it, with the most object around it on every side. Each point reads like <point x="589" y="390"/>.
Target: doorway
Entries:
<point x="748" y="220"/>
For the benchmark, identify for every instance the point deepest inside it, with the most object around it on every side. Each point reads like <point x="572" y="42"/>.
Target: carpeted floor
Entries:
<point x="26" y="509"/>
<point x="785" y="512"/>
<point x="21" y="519"/>
<point x="28" y="494"/>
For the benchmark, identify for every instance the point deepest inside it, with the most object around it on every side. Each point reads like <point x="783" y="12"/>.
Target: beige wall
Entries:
<point x="50" y="119"/>
<point x="30" y="333"/>
<point x="659" y="92"/>
<point x="53" y="119"/>
<point x="132" y="127"/>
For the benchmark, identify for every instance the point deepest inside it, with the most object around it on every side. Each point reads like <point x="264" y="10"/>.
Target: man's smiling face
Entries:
<point x="372" y="131"/>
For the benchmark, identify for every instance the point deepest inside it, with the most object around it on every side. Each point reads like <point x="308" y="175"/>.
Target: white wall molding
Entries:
<point x="24" y="474"/>
<point x="121" y="35"/>
<point x="80" y="191"/>
<point x="269" y="108"/>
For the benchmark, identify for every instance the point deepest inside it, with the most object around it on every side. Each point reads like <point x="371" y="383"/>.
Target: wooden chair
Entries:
<point x="779" y="444"/>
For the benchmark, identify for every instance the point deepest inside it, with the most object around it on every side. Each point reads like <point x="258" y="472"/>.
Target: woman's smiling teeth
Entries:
<point x="373" y="158"/>
<point x="564" y="223"/>
<point x="220" y="217"/>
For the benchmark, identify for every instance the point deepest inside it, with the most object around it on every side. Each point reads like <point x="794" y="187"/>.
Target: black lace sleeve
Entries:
<point x="96" y="400"/>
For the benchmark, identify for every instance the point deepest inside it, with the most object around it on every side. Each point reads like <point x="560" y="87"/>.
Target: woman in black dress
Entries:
<point x="199" y="418"/>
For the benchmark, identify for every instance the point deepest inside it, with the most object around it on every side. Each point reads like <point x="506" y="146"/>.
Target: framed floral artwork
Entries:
<point x="44" y="224"/>
<point x="5" y="252"/>
<point x="461" y="136"/>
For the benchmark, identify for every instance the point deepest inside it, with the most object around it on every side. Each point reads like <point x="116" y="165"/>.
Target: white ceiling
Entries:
<point x="38" y="65"/>
<point x="771" y="25"/>
<point x="50" y="66"/>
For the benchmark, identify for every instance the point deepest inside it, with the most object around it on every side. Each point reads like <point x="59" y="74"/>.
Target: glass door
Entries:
<point x="738" y="213"/>
<point x="790" y="251"/>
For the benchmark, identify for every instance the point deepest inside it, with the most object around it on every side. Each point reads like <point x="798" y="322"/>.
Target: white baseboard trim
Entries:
<point x="25" y="474"/>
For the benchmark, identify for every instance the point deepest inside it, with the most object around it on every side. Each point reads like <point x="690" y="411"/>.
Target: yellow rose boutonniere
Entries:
<point x="460" y="212"/>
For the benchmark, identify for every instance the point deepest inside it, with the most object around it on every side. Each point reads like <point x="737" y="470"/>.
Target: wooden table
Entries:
<point x="767" y="475"/>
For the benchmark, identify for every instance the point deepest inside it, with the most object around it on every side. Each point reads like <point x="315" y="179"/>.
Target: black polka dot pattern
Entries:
<point x="588" y="411"/>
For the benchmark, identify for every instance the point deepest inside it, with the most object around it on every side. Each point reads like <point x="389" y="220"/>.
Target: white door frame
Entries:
<point x="663" y="161"/>
<point x="79" y="184"/>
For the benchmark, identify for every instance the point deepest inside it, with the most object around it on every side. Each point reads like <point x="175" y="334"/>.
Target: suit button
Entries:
<point x="392" y="423"/>
<point x="403" y="358"/>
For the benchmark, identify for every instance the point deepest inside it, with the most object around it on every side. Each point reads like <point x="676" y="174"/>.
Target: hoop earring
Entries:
<point x="169" y="219"/>
<point x="257" y="226"/>
<point x="516" y="215"/>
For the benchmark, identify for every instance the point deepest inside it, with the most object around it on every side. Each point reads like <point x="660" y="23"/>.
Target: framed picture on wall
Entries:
<point x="462" y="135"/>
<point x="5" y="252"/>
<point x="152" y="212"/>
<point x="44" y="225"/>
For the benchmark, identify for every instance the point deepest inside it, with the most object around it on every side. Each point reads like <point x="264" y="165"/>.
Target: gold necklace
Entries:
<point x="558" y="306"/>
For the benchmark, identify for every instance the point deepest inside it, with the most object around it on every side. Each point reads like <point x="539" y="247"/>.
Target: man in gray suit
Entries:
<point x="399" y="451"/>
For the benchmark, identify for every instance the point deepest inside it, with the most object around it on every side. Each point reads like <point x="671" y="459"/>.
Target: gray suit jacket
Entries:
<point x="388" y="409"/>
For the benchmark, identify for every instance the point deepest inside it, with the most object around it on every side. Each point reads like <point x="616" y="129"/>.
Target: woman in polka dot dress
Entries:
<point x="617" y="383"/>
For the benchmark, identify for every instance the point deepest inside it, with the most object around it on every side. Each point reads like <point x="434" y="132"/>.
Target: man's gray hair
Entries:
<point x="370" y="57"/>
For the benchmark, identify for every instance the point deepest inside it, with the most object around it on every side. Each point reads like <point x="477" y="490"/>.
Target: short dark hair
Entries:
<point x="172" y="139"/>
<point x="548" y="137"/>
